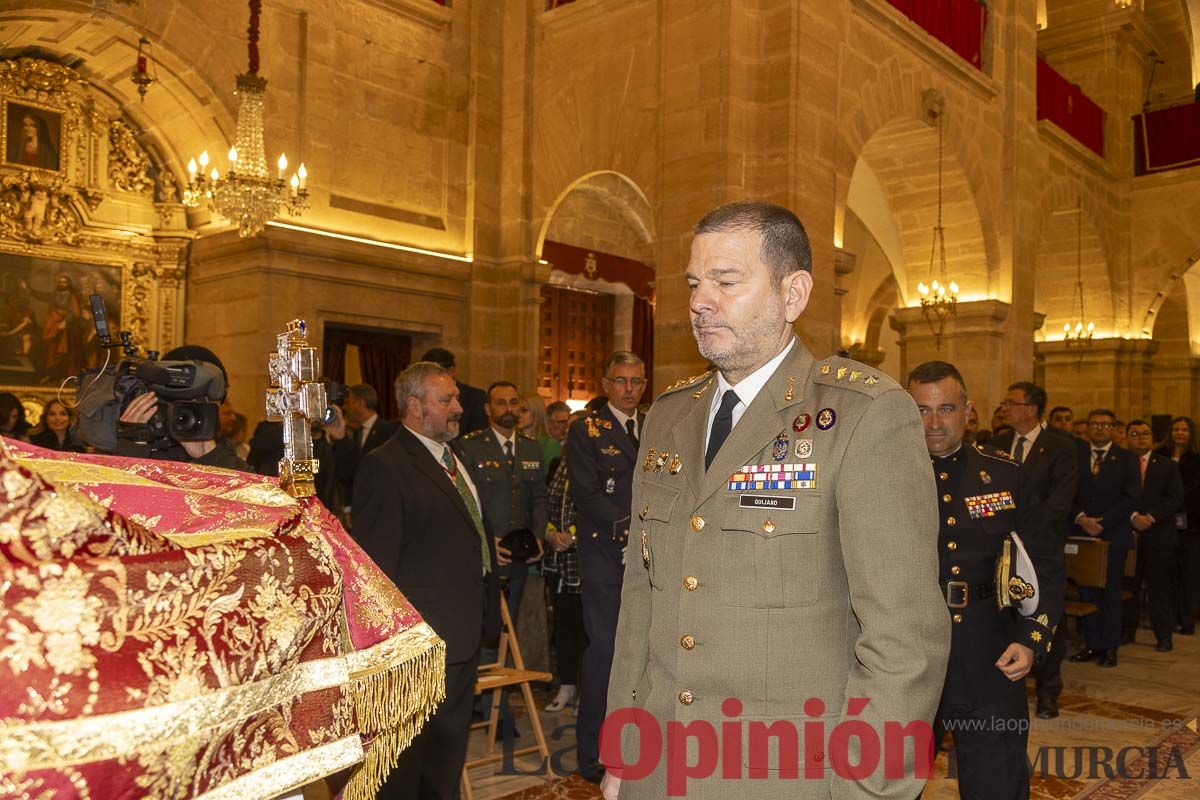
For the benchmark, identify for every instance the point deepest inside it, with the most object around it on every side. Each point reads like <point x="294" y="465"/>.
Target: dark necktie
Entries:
<point x="629" y="428"/>
<point x="1097" y="457"/>
<point x="1019" y="455"/>
<point x="360" y="437"/>
<point x="508" y="455"/>
<point x="721" y="426"/>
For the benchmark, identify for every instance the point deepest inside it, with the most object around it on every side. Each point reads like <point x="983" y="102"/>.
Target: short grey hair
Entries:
<point x="623" y="357"/>
<point x="413" y="382"/>
<point x="785" y="248"/>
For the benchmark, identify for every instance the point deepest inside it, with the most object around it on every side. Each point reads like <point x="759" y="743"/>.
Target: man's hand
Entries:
<point x="1016" y="661"/>
<point x="538" y="555"/>
<point x="336" y="430"/>
<point x="1091" y="525"/>
<point x="141" y="409"/>
<point x="1142" y="522"/>
<point x="503" y="555"/>
<point x="610" y="786"/>
<point x="559" y="541"/>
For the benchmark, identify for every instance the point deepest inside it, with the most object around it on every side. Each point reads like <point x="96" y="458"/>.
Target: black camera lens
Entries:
<point x="185" y="418"/>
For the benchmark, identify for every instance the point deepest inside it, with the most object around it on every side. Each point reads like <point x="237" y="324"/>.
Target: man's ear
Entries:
<point x="797" y="288"/>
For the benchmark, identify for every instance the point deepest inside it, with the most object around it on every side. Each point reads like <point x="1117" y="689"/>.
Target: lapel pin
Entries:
<point x="791" y="389"/>
<point x="801" y="422"/>
<point x="804" y="448"/>
<point x="983" y="476"/>
<point x="675" y="465"/>
<point x="825" y="418"/>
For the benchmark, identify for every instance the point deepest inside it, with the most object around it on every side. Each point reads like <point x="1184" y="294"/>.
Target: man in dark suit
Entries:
<point x="1048" y="458"/>
<point x="417" y="516"/>
<point x="1109" y="493"/>
<point x="355" y="432"/>
<point x="1157" y="538"/>
<point x="471" y="398"/>
<point x="601" y="454"/>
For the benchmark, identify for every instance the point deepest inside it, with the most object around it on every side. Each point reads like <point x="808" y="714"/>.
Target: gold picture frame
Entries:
<point x="33" y="136"/>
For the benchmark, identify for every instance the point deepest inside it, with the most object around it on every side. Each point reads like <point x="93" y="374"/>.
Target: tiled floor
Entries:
<point x="1135" y="706"/>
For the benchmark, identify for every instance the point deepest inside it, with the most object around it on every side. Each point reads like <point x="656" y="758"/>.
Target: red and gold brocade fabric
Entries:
<point x="176" y="631"/>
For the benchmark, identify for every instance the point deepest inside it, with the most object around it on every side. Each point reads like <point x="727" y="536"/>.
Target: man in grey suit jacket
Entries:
<point x="782" y="563"/>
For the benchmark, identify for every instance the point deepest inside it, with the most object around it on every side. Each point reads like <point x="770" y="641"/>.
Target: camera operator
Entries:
<point x="210" y="452"/>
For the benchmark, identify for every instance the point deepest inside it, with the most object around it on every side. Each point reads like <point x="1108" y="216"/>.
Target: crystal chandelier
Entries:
<point x="248" y="194"/>
<point x="1080" y="334"/>
<point x="939" y="298"/>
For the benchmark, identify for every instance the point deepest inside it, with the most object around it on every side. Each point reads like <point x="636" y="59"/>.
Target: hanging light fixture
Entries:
<point x="939" y="298"/>
<point x="1080" y="334"/>
<point x="248" y="194"/>
<point x="143" y="75"/>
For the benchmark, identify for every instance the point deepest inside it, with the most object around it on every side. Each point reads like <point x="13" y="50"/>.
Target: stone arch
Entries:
<point x="892" y="97"/>
<point x="184" y="112"/>
<point x="1054" y="233"/>
<point x="903" y="157"/>
<point x="598" y="194"/>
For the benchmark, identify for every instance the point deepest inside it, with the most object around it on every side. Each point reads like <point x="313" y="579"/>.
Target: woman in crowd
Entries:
<point x="54" y="430"/>
<point x="12" y="417"/>
<point x="1182" y="449"/>
<point x="561" y="568"/>
<point x="531" y="421"/>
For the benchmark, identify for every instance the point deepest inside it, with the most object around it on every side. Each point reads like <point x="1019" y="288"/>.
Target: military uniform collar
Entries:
<point x="749" y="387"/>
<point x="950" y="458"/>
<point x="500" y="439"/>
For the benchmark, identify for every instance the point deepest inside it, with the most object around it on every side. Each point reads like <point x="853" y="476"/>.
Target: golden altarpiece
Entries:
<point x="87" y="205"/>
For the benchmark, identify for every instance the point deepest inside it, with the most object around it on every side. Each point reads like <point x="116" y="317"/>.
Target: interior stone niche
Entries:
<point x="85" y="197"/>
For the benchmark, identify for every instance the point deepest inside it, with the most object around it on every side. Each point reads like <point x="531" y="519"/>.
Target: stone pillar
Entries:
<point x="1175" y="385"/>
<point x="973" y="341"/>
<point x="1109" y="373"/>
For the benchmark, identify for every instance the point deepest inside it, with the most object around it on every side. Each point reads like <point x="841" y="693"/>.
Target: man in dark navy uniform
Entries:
<point x="601" y="455"/>
<point x="992" y="648"/>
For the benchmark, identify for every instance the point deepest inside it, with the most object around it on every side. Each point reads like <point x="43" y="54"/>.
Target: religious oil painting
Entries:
<point x="33" y="137"/>
<point x="46" y="329"/>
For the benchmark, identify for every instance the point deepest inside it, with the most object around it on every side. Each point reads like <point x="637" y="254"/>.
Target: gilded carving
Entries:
<point x="128" y="165"/>
<point x="31" y="77"/>
<point x="37" y="208"/>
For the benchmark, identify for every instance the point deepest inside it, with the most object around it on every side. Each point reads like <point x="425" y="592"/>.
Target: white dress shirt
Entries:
<point x="621" y="418"/>
<point x="436" y="449"/>
<point x="1029" y="438"/>
<point x="747" y="389"/>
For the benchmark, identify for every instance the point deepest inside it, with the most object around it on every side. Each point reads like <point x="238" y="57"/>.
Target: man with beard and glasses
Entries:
<point x="601" y="455"/>
<point x="416" y="514"/>
<point x="782" y="560"/>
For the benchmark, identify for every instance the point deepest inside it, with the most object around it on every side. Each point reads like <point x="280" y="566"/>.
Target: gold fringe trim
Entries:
<point x="396" y="687"/>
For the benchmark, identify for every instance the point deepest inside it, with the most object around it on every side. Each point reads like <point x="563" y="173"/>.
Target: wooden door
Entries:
<point x="576" y="337"/>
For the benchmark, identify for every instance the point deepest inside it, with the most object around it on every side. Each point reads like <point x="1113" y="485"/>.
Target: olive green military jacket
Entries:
<point x="818" y="583"/>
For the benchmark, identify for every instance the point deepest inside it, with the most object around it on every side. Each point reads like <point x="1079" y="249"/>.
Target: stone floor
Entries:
<point x="1150" y="699"/>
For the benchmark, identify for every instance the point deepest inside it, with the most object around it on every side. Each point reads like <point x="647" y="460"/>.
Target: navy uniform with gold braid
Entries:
<point x="600" y="466"/>
<point x="978" y="498"/>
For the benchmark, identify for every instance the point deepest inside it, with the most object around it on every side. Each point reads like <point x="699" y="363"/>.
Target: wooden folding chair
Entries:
<point x="493" y="678"/>
<point x="1087" y="566"/>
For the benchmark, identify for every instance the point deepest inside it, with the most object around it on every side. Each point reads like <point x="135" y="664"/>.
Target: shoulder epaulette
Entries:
<point x="472" y="435"/>
<point x="998" y="455"/>
<point x="524" y="435"/>
<point x="849" y="374"/>
<point x="686" y="383"/>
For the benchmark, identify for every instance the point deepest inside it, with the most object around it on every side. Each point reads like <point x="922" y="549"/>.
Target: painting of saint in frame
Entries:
<point x="33" y="137"/>
<point x="46" y="328"/>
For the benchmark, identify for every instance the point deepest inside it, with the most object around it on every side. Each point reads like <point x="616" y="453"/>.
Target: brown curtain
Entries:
<point x="382" y="357"/>
<point x="643" y="340"/>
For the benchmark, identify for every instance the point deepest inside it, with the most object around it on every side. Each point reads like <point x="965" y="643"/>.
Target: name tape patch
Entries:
<point x="767" y="501"/>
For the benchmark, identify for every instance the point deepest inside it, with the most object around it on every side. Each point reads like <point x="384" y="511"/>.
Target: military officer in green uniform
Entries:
<point x="992" y="649"/>
<point x="782" y="549"/>
<point x="506" y="467"/>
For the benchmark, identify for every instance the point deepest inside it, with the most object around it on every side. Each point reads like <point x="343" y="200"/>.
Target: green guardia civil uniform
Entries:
<point x="801" y="564"/>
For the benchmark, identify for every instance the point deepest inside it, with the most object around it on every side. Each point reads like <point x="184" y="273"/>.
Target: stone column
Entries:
<point x="1108" y="373"/>
<point x="973" y="341"/>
